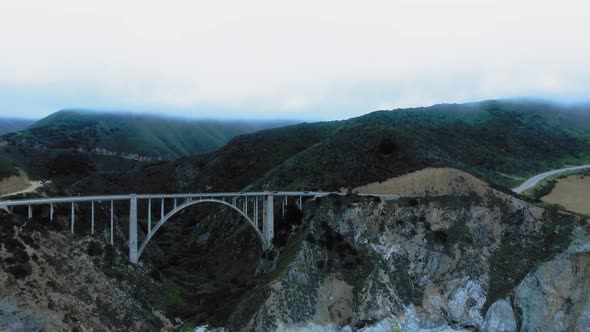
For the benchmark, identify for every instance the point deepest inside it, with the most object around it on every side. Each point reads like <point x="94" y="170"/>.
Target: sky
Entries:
<point x="308" y="60"/>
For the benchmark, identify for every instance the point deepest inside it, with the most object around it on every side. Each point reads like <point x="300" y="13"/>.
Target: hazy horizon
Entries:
<point x="245" y="118"/>
<point x="306" y="61"/>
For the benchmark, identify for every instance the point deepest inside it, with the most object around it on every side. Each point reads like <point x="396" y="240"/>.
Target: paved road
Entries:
<point x="528" y="184"/>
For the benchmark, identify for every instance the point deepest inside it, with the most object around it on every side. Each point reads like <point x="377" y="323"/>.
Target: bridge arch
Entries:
<point x="183" y="206"/>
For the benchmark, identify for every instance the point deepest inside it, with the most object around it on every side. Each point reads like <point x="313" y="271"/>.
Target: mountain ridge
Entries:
<point x="10" y="125"/>
<point x="106" y="142"/>
<point x="162" y="136"/>
<point x="499" y="142"/>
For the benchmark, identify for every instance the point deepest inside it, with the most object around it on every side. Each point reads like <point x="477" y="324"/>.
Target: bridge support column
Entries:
<point x="133" y="229"/>
<point x="92" y="220"/>
<point x="72" y="220"/>
<point x="256" y="211"/>
<point x="149" y="217"/>
<point x="112" y="221"/>
<point x="268" y="222"/>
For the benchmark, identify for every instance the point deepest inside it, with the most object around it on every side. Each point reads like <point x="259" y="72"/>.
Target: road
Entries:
<point x="528" y="184"/>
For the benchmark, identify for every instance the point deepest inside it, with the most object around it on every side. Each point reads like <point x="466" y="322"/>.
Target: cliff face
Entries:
<point x="53" y="281"/>
<point x="484" y="261"/>
<point x="472" y="260"/>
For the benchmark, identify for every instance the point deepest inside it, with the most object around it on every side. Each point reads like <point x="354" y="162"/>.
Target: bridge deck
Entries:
<point x="98" y="198"/>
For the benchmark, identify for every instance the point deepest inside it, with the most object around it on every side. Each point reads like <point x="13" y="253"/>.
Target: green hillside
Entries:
<point x="10" y="125"/>
<point x="151" y="136"/>
<point x="499" y="141"/>
<point x="73" y="144"/>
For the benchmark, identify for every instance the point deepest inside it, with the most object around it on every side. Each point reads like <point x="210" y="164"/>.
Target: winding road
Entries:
<point x="528" y="184"/>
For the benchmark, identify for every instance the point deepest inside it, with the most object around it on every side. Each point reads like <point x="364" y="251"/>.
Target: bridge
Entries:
<point x="247" y="204"/>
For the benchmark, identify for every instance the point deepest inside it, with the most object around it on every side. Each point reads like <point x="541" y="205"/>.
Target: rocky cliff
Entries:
<point x="53" y="281"/>
<point x="484" y="261"/>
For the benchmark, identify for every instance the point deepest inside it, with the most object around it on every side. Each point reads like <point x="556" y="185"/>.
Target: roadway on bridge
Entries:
<point x="528" y="184"/>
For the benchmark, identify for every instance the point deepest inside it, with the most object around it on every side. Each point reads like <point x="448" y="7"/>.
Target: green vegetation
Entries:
<point x="113" y="142"/>
<point x="490" y="140"/>
<point x="206" y="281"/>
<point x="145" y="135"/>
<point x="501" y="142"/>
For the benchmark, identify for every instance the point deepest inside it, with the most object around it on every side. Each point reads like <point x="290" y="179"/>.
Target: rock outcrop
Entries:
<point x="53" y="281"/>
<point x="484" y="261"/>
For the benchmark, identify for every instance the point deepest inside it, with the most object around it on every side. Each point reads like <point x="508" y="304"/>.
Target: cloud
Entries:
<point x="331" y="59"/>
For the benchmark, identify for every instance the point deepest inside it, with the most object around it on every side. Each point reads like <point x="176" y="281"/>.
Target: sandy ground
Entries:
<point x="18" y="185"/>
<point x="428" y="181"/>
<point x="572" y="192"/>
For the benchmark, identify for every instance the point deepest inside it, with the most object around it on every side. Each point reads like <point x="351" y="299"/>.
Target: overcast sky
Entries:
<point x="305" y="60"/>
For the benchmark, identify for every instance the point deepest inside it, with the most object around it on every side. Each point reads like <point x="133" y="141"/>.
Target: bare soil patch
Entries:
<point x="13" y="184"/>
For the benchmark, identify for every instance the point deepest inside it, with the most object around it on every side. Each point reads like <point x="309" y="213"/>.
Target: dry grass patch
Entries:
<point x="572" y="192"/>
<point x="429" y="181"/>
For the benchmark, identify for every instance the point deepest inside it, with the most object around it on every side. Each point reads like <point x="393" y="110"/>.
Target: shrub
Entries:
<point x="387" y="146"/>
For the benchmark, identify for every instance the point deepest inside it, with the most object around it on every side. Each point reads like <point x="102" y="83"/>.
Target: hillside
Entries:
<point x="10" y="125"/>
<point x="75" y="144"/>
<point x="53" y="281"/>
<point x="501" y="142"/>
<point x="426" y="182"/>
<point x="150" y="136"/>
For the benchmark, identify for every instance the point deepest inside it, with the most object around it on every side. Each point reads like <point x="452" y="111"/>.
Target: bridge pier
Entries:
<point x="92" y="220"/>
<point x="133" y="257"/>
<point x="112" y="221"/>
<point x="268" y="217"/>
<point x="72" y="220"/>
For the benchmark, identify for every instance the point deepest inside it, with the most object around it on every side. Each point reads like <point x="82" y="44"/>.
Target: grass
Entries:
<point x="571" y="193"/>
<point x="173" y="296"/>
<point x="546" y="186"/>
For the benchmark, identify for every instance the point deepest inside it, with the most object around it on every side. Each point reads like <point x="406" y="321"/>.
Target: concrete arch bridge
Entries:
<point x="251" y="205"/>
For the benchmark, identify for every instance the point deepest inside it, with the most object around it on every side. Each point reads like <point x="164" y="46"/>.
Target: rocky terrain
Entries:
<point x="480" y="261"/>
<point x="53" y="281"/>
